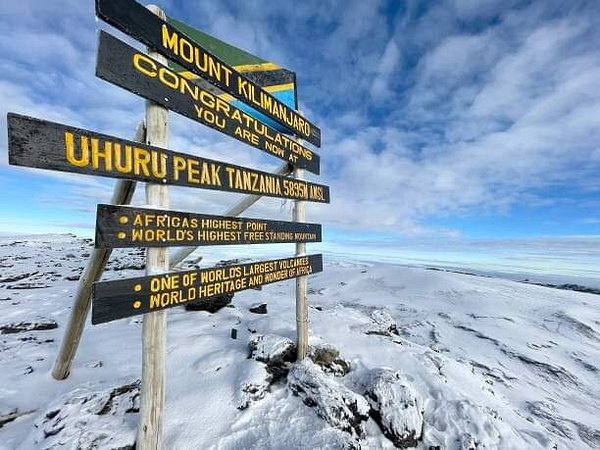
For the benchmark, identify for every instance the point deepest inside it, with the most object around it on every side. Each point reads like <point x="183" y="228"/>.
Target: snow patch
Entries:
<point x="394" y="406"/>
<point x="333" y="402"/>
<point x="89" y="418"/>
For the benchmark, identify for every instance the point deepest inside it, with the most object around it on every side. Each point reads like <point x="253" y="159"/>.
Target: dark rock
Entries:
<point x="259" y="308"/>
<point x="22" y="327"/>
<point x="52" y="414"/>
<point x="312" y="291"/>
<point x="333" y="402"/>
<point x="131" y="391"/>
<point x="19" y="277"/>
<point x="256" y="384"/>
<point x="72" y="278"/>
<point x="89" y="418"/>
<point x="567" y="287"/>
<point x="227" y="262"/>
<point x="394" y="407"/>
<point x="328" y="358"/>
<point x="27" y="286"/>
<point x="383" y="324"/>
<point x="212" y="305"/>
<point x="277" y="352"/>
<point x="13" y="415"/>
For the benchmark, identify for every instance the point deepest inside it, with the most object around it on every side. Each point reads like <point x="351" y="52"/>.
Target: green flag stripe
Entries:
<point x="228" y="53"/>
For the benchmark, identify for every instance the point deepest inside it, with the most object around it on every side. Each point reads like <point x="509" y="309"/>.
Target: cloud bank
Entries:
<point x="428" y="109"/>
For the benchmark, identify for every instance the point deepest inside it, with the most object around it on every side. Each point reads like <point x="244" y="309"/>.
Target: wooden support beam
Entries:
<point x="301" y="282"/>
<point x="94" y="268"/>
<point x="154" y="326"/>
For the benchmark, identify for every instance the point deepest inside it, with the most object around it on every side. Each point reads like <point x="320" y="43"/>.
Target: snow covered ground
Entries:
<point x="436" y="359"/>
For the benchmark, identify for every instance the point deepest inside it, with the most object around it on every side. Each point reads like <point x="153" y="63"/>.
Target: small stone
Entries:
<point x="328" y="358"/>
<point x="212" y="305"/>
<point x="258" y="308"/>
<point x="22" y="327"/>
<point x="277" y="352"/>
<point x="333" y="402"/>
<point x="395" y="407"/>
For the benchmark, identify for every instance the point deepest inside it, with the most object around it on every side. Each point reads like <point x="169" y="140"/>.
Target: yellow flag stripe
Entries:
<point x="275" y="88"/>
<point x="257" y="67"/>
<point x="241" y="68"/>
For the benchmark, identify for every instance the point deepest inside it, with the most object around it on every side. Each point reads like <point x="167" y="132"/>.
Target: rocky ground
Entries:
<point x="399" y="358"/>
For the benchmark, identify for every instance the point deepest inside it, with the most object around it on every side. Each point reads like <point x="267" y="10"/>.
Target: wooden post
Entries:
<point x="122" y="194"/>
<point x="235" y="210"/>
<point x="301" y="282"/>
<point x="154" y="326"/>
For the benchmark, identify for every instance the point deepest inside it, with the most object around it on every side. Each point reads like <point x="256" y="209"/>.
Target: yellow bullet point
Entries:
<point x="121" y="235"/>
<point x="137" y="304"/>
<point x="123" y="219"/>
<point x="137" y="288"/>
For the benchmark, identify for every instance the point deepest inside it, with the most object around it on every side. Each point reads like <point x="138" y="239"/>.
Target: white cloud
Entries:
<point x="424" y="114"/>
<point x="387" y="65"/>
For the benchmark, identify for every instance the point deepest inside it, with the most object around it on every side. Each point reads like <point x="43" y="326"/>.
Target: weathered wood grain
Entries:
<point x="133" y="19"/>
<point x="41" y="144"/>
<point x="123" y="226"/>
<point x="125" y="298"/>
<point x="133" y="70"/>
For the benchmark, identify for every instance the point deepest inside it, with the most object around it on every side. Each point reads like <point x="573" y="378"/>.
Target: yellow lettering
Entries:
<point x="141" y="160"/>
<point x="97" y="155"/>
<point x="179" y="164"/>
<point x="144" y="64"/>
<point x="169" y="42"/>
<point x="83" y="159"/>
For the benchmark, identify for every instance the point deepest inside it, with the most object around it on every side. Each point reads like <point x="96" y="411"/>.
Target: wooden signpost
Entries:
<point x="133" y="19"/>
<point x="123" y="226"/>
<point x="275" y="79"/>
<point x="48" y="145"/>
<point x="134" y="296"/>
<point x="124" y="66"/>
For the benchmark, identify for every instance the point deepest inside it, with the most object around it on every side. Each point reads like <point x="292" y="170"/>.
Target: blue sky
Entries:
<point x="444" y="120"/>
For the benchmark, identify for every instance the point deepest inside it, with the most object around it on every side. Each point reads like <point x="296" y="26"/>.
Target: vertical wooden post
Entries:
<point x="154" y="327"/>
<point x="301" y="282"/>
<point x="122" y="194"/>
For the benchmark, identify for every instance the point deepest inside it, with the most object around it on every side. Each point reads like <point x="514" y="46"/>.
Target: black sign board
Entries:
<point x="48" y="145"/>
<point x="124" y="226"/>
<point x="130" y="297"/>
<point x="138" y="22"/>
<point x="124" y="66"/>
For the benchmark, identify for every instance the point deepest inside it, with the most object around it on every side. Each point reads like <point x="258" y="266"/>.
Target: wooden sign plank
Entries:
<point x="124" y="66"/>
<point x="134" y="296"/>
<point x="48" y="145"/>
<point x="278" y="81"/>
<point x="133" y="19"/>
<point x="123" y="226"/>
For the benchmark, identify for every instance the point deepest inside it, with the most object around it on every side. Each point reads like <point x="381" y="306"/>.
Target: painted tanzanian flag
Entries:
<point x="279" y="82"/>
